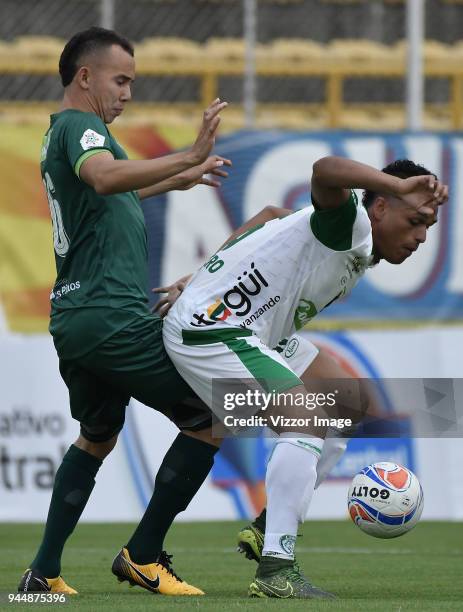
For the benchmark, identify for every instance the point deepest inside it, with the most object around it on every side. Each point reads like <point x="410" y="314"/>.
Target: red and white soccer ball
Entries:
<point x="385" y="500"/>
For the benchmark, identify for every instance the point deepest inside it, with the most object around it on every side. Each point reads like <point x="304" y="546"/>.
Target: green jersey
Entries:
<point x="100" y="241"/>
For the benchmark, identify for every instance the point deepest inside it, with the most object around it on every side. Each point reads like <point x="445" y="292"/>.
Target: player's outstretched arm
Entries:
<point x="108" y="175"/>
<point x="170" y="293"/>
<point x="333" y="178"/>
<point x="204" y="174"/>
<point x="266" y="214"/>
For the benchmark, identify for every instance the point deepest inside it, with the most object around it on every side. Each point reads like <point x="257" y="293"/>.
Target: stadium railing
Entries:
<point x="334" y="63"/>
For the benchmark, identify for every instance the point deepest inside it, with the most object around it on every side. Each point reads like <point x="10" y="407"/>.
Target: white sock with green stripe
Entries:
<point x="290" y="482"/>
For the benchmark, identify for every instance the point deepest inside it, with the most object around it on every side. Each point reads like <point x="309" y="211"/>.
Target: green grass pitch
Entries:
<point x="422" y="570"/>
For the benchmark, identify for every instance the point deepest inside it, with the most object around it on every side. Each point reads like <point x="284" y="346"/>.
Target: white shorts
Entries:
<point x="233" y="353"/>
<point x="298" y="352"/>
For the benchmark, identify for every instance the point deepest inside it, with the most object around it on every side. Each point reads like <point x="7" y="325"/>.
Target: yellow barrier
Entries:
<point x="218" y="58"/>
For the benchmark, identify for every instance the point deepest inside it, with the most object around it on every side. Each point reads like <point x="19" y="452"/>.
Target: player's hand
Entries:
<point x="173" y="292"/>
<point x="213" y="166"/>
<point x="206" y="136"/>
<point x="424" y="193"/>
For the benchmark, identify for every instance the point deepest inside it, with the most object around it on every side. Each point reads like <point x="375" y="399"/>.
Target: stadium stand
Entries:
<point x="335" y="63"/>
<point x="311" y="70"/>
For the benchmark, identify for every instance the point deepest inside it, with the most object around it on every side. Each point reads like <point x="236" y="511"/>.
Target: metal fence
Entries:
<point x="209" y="25"/>
<point x="318" y="20"/>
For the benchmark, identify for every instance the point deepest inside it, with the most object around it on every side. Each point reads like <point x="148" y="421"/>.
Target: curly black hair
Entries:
<point x="403" y="168"/>
<point x="86" y="42"/>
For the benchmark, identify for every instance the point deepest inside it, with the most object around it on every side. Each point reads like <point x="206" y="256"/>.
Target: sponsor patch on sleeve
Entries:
<point x="91" y="139"/>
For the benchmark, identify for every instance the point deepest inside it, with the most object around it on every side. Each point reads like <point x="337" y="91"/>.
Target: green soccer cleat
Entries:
<point x="282" y="579"/>
<point x="251" y="542"/>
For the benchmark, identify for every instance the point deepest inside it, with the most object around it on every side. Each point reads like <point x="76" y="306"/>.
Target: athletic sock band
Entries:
<point x="290" y="481"/>
<point x="74" y="482"/>
<point x="183" y="470"/>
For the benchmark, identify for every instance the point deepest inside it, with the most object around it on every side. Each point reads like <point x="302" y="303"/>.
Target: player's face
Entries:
<point x="113" y="72"/>
<point x="399" y="230"/>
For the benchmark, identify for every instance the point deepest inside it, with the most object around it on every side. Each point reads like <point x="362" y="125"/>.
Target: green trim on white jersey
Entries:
<point x="277" y="278"/>
<point x="196" y="338"/>
<point x="333" y="227"/>
<point x="271" y="375"/>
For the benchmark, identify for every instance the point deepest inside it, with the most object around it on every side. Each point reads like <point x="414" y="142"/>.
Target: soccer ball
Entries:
<point x="385" y="500"/>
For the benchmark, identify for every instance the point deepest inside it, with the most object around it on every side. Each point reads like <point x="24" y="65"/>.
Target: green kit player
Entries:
<point x="109" y="344"/>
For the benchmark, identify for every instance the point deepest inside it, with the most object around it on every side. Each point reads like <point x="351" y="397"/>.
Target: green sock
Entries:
<point x="74" y="481"/>
<point x="183" y="470"/>
<point x="259" y="521"/>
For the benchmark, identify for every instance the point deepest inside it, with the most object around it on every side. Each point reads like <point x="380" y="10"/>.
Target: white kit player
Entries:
<point x="264" y="285"/>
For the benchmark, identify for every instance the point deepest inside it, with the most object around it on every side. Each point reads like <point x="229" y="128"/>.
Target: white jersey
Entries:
<point x="274" y="279"/>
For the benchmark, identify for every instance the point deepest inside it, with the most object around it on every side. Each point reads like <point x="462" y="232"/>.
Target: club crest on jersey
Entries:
<point x="237" y="300"/>
<point x="91" y="139"/>
<point x="358" y="265"/>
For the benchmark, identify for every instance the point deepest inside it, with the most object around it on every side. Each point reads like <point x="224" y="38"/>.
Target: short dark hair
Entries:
<point x="85" y="42"/>
<point x="403" y="168"/>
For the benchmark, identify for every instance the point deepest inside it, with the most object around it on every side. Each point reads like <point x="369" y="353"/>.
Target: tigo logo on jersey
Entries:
<point x="236" y="300"/>
<point x="91" y="139"/>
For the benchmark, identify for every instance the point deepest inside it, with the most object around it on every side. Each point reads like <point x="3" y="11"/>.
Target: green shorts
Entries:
<point x="131" y="363"/>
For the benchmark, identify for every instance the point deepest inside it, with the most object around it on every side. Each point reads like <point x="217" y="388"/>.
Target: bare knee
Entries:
<point x="325" y="366"/>
<point x="353" y="395"/>
<point x="98" y="449"/>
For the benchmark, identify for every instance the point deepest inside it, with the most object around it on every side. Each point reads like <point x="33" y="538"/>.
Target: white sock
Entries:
<point x="290" y="481"/>
<point x="333" y="449"/>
